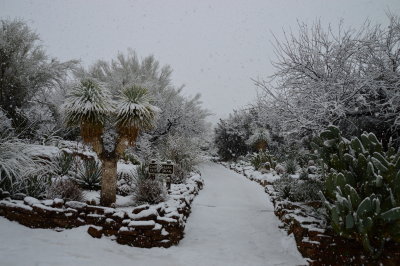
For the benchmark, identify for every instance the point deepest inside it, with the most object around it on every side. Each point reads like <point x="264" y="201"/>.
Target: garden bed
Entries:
<point x="147" y="226"/>
<point x="315" y="240"/>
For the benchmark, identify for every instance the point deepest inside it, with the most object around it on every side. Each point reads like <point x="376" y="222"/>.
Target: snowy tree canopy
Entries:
<point x="349" y="78"/>
<point x="26" y="72"/>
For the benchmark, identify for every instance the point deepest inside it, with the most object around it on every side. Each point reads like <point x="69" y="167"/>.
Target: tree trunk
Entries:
<point x="108" y="182"/>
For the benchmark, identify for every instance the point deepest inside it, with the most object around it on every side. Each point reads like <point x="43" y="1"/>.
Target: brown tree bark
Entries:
<point x="108" y="182"/>
<point x="109" y="167"/>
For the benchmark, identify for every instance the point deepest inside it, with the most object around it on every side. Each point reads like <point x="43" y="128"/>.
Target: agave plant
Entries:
<point x="89" y="106"/>
<point x="89" y="175"/>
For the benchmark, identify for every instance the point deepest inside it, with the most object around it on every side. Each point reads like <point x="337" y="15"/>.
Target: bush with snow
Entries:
<point x="184" y="152"/>
<point x="231" y="135"/>
<point x="28" y="74"/>
<point x="280" y="169"/>
<point x="296" y="190"/>
<point x="125" y="183"/>
<point x="147" y="190"/>
<point x="263" y="159"/>
<point x="20" y="171"/>
<point x="259" y="138"/>
<point x="66" y="189"/>
<point x="89" y="175"/>
<point x="291" y="166"/>
<point x="64" y="164"/>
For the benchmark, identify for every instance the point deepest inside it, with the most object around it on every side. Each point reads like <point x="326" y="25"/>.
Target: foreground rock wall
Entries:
<point x="160" y="225"/>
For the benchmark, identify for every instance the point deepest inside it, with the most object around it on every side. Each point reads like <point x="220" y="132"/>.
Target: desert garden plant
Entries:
<point x="259" y="139"/>
<point x="65" y="188"/>
<point x="20" y="172"/>
<point x="183" y="152"/>
<point x="263" y="159"/>
<point x="125" y="183"/>
<point x="89" y="175"/>
<point x="109" y="124"/>
<point x="296" y="190"/>
<point x="147" y="190"/>
<point x="362" y="188"/>
<point x="64" y="163"/>
<point x="291" y="166"/>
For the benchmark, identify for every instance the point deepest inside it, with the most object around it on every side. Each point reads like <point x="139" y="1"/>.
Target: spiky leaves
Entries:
<point x="134" y="112"/>
<point x="87" y="106"/>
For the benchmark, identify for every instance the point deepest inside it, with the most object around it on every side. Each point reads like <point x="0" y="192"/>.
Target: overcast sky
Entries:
<point x="214" y="47"/>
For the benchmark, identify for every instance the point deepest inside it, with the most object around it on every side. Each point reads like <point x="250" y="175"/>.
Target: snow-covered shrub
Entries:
<point x="51" y="137"/>
<point x="27" y="74"/>
<point x="291" y="166"/>
<point x="66" y="189"/>
<point x="89" y="175"/>
<point x="280" y="169"/>
<point x="306" y="190"/>
<point x="283" y="186"/>
<point x="184" y="152"/>
<point x="259" y="139"/>
<point x="180" y="175"/>
<point x="263" y="159"/>
<point x="64" y="163"/>
<point x="130" y="157"/>
<point x="297" y="190"/>
<point x="19" y="172"/>
<point x="147" y="190"/>
<point x="125" y="184"/>
<point x="34" y="185"/>
<point x="231" y="135"/>
<point x="311" y="172"/>
<point x="144" y="148"/>
<point x="362" y="188"/>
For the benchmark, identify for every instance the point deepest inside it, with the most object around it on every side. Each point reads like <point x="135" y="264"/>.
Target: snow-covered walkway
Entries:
<point x="232" y="223"/>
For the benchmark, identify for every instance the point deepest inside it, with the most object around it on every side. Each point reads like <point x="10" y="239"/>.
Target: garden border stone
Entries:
<point x="146" y="226"/>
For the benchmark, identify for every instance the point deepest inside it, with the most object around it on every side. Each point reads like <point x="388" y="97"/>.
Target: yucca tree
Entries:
<point x="91" y="107"/>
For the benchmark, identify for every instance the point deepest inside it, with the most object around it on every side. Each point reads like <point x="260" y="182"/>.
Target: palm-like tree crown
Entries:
<point x="134" y="109"/>
<point x="87" y="103"/>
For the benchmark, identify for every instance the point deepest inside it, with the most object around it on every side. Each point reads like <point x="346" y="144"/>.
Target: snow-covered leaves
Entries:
<point x="88" y="102"/>
<point x="349" y="78"/>
<point x="134" y="110"/>
<point x="21" y="169"/>
<point x="178" y="114"/>
<point x="27" y="74"/>
<point x="258" y="134"/>
<point x="14" y="159"/>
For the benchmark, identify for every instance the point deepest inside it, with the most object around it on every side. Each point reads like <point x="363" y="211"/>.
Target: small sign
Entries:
<point x="167" y="169"/>
<point x="153" y="168"/>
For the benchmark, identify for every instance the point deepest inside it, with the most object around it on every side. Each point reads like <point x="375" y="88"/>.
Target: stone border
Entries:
<point x="146" y="226"/>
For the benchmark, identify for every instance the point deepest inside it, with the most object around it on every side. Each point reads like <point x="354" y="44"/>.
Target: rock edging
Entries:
<point x="146" y="226"/>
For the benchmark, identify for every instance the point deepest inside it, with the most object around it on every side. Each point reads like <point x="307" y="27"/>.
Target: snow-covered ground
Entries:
<point x="232" y="223"/>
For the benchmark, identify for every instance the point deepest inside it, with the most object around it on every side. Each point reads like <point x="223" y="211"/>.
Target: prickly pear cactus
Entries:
<point x="362" y="188"/>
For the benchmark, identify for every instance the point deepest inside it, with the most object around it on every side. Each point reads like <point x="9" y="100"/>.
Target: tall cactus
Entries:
<point x="362" y="188"/>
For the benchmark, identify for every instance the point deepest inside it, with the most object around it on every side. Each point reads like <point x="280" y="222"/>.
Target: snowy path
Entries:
<point x="232" y="223"/>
